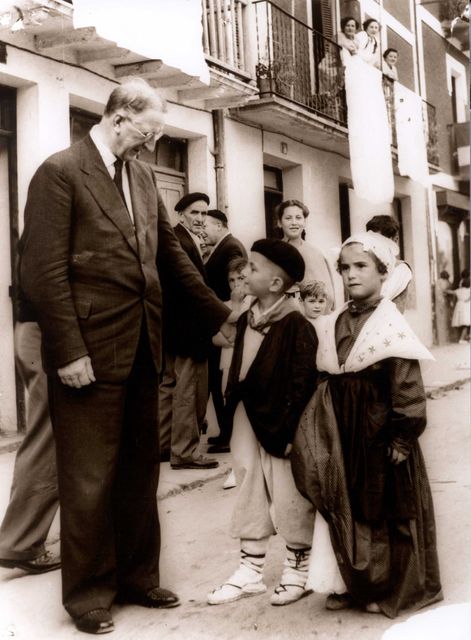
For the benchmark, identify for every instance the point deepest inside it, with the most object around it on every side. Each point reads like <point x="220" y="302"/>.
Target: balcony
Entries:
<point x="459" y="142"/>
<point x="46" y="27"/>
<point x="227" y="53"/>
<point x="300" y="78"/>
<point x="429" y="122"/>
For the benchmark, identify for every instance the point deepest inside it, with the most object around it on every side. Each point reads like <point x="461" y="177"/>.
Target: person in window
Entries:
<point x="347" y="38"/>
<point x="390" y="57"/>
<point x="369" y="44"/>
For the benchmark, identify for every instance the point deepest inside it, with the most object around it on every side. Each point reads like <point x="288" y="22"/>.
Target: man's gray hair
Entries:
<point x="135" y="96"/>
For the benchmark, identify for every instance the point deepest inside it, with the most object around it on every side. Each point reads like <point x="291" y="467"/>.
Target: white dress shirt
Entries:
<point x="109" y="159"/>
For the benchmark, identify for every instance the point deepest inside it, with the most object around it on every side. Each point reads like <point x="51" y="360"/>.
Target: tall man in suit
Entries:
<point x="96" y="234"/>
<point x="183" y="392"/>
<point x="224" y="249"/>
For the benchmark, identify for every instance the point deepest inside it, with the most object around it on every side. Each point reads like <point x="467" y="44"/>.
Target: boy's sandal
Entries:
<point x="231" y="592"/>
<point x="288" y="593"/>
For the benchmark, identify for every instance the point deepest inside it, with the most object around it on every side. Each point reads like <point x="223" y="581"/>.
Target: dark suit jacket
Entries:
<point x="216" y="265"/>
<point x="190" y="249"/>
<point x="184" y="334"/>
<point x="91" y="278"/>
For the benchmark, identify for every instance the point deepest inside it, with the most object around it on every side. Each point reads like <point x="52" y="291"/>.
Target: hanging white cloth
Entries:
<point x="369" y="134"/>
<point x="411" y="145"/>
<point x="167" y="30"/>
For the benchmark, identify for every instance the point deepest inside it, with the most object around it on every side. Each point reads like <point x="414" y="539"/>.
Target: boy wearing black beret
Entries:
<point x="271" y="379"/>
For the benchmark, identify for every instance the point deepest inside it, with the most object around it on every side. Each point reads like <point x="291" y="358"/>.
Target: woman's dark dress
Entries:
<point x="380" y="515"/>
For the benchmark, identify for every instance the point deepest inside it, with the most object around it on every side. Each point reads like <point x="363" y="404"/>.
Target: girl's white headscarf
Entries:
<point x="383" y="248"/>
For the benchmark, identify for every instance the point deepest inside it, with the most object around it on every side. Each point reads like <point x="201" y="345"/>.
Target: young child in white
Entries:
<point x="315" y="300"/>
<point x="237" y="272"/>
<point x="271" y="376"/>
<point x="461" y="312"/>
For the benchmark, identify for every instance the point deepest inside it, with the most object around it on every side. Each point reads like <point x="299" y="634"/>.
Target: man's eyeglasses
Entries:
<point x="147" y="135"/>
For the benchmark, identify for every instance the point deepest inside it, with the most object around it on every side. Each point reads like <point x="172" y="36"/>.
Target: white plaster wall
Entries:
<point x="244" y="176"/>
<point x="46" y="89"/>
<point x="7" y="368"/>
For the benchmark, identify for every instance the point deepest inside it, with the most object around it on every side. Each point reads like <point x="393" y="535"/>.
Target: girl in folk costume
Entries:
<point x="356" y="455"/>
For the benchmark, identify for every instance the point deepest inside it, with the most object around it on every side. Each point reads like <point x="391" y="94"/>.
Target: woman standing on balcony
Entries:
<point x="369" y="48"/>
<point x="292" y="216"/>
<point x="347" y="37"/>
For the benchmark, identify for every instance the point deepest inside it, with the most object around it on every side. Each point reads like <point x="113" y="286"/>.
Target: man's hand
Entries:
<point x="396" y="456"/>
<point x="228" y="331"/>
<point x="78" y="373"/>
<point x="238" y="294"/>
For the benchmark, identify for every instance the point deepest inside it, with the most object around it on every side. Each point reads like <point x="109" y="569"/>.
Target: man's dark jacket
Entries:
<point x="184" y="333"/>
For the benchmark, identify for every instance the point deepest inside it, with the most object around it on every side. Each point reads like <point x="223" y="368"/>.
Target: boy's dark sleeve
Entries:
<point x="408" y="416"/>
<point x="303" y="374"/>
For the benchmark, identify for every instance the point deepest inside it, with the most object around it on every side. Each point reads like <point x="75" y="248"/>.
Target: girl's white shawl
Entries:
<point x="386" y="334"/>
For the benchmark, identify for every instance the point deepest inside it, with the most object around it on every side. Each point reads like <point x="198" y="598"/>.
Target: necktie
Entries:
<point x="118" y="178"/>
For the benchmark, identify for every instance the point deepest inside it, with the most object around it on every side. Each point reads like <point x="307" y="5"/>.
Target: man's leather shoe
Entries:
<point x="216" y="440"/>
<point x="42" y="564"/>
<point x="155" y="598"/>
<point x="95" y="621"/>
<point x="219" y="448"/>
<point x="196" y="463"/>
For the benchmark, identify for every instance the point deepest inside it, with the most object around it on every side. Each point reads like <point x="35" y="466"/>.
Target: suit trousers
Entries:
<point x="267" y="500"/>
<point x="108" y="468"/>
<point x="183" y="397"/>
<point x="215" y="389"/>
<point x="33" y="498"/>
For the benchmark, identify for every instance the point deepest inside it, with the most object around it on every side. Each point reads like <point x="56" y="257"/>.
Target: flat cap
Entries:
<point x="283" y="254"/>
<point x="218" y="214"/>
<point x="187" y="200"/>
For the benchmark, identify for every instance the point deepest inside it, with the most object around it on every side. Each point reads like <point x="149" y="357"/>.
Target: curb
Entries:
<point x="435" y="392"/>
<point x="189" y="486"/>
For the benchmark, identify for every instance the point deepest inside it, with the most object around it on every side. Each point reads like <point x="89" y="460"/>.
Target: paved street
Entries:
<point x="198" y="554"/>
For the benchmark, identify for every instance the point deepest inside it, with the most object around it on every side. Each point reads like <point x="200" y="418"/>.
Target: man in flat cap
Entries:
<point x="183" y="392"/>
<point x="224" y="249"/>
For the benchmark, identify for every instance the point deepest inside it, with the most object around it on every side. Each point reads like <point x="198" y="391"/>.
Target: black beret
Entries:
<point x="218" y="214"/>
<point x="185" y="202"/>
<point x="283" y="254"/>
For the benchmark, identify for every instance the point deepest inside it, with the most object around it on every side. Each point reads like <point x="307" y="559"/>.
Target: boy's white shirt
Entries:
<point x="397" y="281"/>
<point x="386" y="334"/>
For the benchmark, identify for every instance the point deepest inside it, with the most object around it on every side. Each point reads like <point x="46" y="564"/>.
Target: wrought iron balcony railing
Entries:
<point x="431" y="132"/>
<point x="459" y="143"/>
<point x="429" y="120"/>
<point x="223" y="32"/>
<point x="298" y="63"/>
